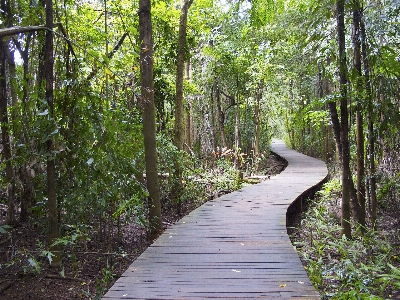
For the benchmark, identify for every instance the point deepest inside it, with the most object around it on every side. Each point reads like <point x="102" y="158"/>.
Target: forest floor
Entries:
<point x="89" y="266"/>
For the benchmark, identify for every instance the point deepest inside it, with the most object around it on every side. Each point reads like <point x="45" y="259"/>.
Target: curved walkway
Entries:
<point x="235" y="246"/>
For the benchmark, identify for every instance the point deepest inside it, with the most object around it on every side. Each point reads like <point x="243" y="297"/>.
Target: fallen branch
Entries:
<point x="6" y="287"/>
<point x="64" y="278"/>
<point x="256" y="179"/>
<point x="5" y="241"/>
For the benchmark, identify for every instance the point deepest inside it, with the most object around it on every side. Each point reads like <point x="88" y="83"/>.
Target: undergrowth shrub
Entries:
<point x="360" y="268"/>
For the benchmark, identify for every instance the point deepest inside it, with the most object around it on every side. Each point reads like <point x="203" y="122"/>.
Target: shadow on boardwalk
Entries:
<point x="235" y="246"/>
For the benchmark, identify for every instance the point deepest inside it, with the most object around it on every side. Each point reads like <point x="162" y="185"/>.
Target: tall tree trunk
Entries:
<point x="359" y="116"/>
<point x="5" y="130"/>
<point x="346" y="174"/>
<point x="179" y="126"/>
<point x="371" y="134"/>
<point x="149" y="122"/>
<point x="51" y="165"/>
<point x="5" y="135"/>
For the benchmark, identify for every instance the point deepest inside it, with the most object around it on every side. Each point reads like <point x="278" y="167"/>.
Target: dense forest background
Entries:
<point x="109" y="109"/>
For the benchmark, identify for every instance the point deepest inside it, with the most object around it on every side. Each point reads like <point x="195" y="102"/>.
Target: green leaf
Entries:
<point x="35" y="264"/>
<point x="3" y="228"/>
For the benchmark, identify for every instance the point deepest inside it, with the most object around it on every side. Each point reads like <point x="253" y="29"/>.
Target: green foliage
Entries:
<point x="73" y="235"/>
<point x="331" y="189"/>
<point x="360" y="268"/>
<point x="32" y="266"/>
<point x="107" y="277"/>
<point x="227" y="175"/>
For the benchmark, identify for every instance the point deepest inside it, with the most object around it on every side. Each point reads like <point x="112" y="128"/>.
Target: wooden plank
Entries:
<point x="233" y="247"/>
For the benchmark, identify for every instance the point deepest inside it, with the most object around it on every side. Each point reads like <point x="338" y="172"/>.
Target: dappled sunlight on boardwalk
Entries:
<point x="235" y="246"/>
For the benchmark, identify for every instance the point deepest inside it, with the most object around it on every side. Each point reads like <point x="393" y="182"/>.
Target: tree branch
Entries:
<point x="20" y="29"/>
<point x="109" y="56"/>
<point x="232" y="101"/>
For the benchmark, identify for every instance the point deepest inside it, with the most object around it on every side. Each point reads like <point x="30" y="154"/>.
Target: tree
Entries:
<point x="5" y="135"/>
<point x="179" y="132"/>
<point x="371" y="133"/>
<point x="359" y="108"/>
<point x="4" y="120"/>
<point x="149" y="124"/>
<point x="344" y="141"/>
<point x="51" y="159"/>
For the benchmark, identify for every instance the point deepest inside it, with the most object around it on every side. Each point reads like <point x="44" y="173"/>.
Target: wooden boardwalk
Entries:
<point x="233" y="247"/>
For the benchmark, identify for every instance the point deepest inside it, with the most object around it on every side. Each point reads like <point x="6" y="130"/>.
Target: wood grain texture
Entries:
<point x="233" y="247"/>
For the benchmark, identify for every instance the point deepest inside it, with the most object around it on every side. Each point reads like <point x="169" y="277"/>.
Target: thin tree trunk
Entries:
<point x="5" y="130"/>
<point x="179" y="126"/>
<point x="109" y="55"/>
<point x="359" y="116"/>
<point x="320" y="95"/>
<point x="337" y="130"/>
<point x="346" y="174"/>
<point x="221" y="119"/>
<point x="211" y="114"/>
<point x="257" y="135"/>
<point x="5" y="136"/>
<point x="290" y="129"/>
<point x="188" y="130"/>
<point x="189" y="114"/>
<point x="149" y="123"/>
<point x="331" y="105"/>
<point x="51" y="166"/>
<point x="237" y="137"/>
<point x="371" y="134"/>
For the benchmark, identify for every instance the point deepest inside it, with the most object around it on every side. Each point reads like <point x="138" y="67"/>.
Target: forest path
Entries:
<point x="233" y="247"/>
